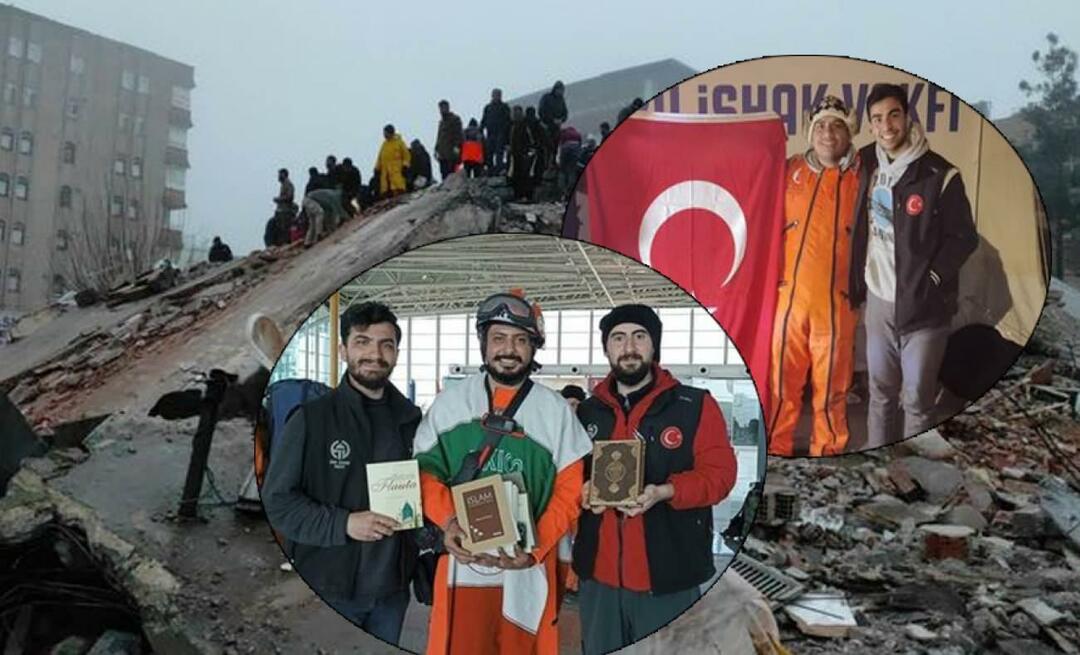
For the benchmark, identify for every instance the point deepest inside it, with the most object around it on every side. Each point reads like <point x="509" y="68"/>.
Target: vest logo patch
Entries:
<point x="671" y="438"/>
<point x="593" y="430"/>
<point x="914" y="205"/>
<point x="339" y="453"/>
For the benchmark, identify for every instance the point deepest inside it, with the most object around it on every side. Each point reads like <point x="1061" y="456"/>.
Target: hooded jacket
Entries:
<point x="935" y="234"/>
<point x="394" y="158"/>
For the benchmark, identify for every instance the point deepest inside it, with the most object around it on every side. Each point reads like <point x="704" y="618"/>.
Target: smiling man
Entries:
<point x="913" y="232"/>
<point x="641" y="566"/>
<point x="495" y="423"/>
<point x="316" y="491"/>
<point x="814" y="330"/>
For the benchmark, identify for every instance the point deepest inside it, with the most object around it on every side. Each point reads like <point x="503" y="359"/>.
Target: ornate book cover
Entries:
<point x="618" y="469"/>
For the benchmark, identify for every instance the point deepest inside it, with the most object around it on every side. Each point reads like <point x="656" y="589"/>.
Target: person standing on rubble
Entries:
<point x="419" y="166"/>
<point x="495" y="122"/>
<point x="525" y="155"/>
<point x="641" y="566"/>
<point x="351" y="181"/>
<point x="913" y="232"/>
<point x="219" y="252"/>
<point x="814" y="329"/>
<point x="392" y="163"/>
<point x="500" y="422"/>
<point x="449" y="139"/>
<point x="472" y="150"/>
<point x="553" y="114"/>
<point x="316" y="493"/>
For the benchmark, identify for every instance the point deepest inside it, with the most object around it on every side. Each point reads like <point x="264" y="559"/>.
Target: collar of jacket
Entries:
<point x="402" y="409"/>
<point x="664" y="381"/>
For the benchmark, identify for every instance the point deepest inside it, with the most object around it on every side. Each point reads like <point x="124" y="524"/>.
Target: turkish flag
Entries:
<point x="701" y="200"/>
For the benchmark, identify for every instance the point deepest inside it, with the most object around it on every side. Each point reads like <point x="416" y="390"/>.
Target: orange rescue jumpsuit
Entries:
<point x="814" y="330"/>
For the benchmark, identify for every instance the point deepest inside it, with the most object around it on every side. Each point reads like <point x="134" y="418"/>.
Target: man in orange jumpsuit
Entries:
<point x="504" y="603"/>
<point x="814" y="331"/>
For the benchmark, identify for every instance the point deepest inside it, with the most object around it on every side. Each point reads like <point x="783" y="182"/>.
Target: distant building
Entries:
<point x="598" y="99"/>
<point x="93" y="157"/>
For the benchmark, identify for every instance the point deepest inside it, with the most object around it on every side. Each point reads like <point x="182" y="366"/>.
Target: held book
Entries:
<point x="394" y="490"/>
<point x="618" y="471"/>
<point x="485" y="514"/>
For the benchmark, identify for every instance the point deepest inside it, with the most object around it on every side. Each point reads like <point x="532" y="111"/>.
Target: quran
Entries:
<point x="618" y="469"/>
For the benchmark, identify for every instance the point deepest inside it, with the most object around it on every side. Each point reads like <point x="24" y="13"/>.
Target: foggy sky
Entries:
<point x="286" y="83"/>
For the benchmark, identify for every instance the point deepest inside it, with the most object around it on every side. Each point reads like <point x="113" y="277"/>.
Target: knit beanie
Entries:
<point x="831" y="107"/>
<point x="640" y="314"/>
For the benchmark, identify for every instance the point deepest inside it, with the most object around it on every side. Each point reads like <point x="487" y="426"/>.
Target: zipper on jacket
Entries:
<point x="787" y="314"/>
<point x="832" y="305"/>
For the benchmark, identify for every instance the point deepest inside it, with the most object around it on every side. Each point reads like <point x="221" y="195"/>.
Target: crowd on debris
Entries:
<point x="963" y="540"/>
<point x="524" y="145"/>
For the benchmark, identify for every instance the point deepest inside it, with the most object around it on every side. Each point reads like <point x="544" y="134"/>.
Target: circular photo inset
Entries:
<point x="510" y="443"/>
<point x="873" y="245"/>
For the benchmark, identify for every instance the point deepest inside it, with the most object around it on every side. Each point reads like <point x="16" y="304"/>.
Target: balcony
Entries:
<point x="174" y="199"/>
<point x="177" y="157"/>
<point x="179" y="117"/>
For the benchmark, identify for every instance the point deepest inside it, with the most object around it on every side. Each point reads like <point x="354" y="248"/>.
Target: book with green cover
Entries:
<point x="394" y="490"/>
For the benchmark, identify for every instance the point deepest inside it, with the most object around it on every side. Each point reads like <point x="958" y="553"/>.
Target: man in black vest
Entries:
<point x="642" y="566"/>
<point x="316" y="492"/>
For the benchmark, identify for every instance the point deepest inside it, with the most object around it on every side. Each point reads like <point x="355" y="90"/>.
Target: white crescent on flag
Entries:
<point x="694" y="194"/>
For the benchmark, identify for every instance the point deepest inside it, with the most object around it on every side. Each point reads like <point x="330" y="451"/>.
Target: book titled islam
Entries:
<point x="484" y="513"/>
<point x="618" y="469"/>
<point x="394" y="490"/>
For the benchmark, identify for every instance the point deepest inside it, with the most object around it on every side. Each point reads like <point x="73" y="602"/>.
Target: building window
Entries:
<point x="61" y="240"/>
<point x="67" y="154"/>
<point x="117" y="206"/>
<point x="177" y="137"/>
<point x="73" y="106"/>
<point x="17" y="231"/>
<point x="65" y="196"/>
<point x="22" y="187"/>
<point x="123" y="121"/>
<point x="4" y="182"/>
<point x="13" y="280"/>
<point x="139" y="124"/>
<point x="29" y="97"/>
<point x="10" y="92"/>
<point x="174" y="178"/>
<point x="119" y="166"/>
<point x="33" y="52"/>
<point x="3" y="231"/>
<point x="127" y="80"/>
<point x="59" y="285"/>
<point x="181" y="97"/>
<point x="26" y="143"/>
<point x="7" y="139"/>
<point x="77" y="65"/>
<point x="15" y="46"/>
<point x="144" y="84"/>
<point x="136" y="167"/>
<point x="133" y="209"/>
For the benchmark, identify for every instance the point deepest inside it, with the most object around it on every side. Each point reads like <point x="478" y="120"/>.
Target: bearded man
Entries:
<point x="316" y="491"/>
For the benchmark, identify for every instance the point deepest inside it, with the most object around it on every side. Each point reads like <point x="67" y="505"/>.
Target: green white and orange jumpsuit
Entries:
<point x="479" y="611"/>
<point x="814" y="330"/>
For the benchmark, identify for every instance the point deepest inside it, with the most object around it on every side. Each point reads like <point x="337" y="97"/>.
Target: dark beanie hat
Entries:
<point x="640" y="314"/>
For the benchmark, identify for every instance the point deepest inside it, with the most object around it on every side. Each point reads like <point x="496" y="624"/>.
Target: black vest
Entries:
<point x="678" y="543"/>
<point x="339" y="443"/>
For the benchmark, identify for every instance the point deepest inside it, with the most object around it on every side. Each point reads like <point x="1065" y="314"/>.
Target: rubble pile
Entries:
<point x="43" y="391"/>
<point x="148" y="318"/>
<point x="963" y="540"/>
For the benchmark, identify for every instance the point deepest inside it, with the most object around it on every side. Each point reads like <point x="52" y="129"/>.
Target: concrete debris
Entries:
<point x="822" y="615"/>
<point x="1043" y="614"/>
<point x="963" y="540"/>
